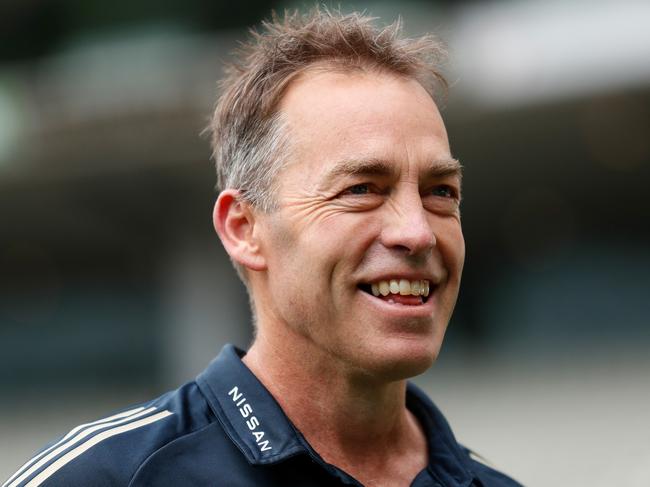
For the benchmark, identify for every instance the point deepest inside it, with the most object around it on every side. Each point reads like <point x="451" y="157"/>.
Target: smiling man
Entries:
<point x="339" y="207"/>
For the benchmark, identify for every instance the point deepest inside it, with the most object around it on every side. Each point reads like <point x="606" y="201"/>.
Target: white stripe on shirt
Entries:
<point x="72" y="454"/>
<point x="71" y="433"/>
<point x="76" y="439"/>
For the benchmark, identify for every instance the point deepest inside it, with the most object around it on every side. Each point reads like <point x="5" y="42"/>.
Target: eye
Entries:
<point x="358" y="189"/>
<point x="443" y="199"/>
<point x="361" y="196"/>
<point x="443" y="191"/>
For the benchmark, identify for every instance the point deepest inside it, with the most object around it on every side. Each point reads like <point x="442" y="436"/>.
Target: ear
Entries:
<point x="234" y="222"/>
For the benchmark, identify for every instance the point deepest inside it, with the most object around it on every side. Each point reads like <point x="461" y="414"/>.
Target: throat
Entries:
<point x="381" y="463"/>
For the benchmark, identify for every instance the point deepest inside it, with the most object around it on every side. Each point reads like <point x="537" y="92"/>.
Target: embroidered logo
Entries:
<point x="253" y="424"/>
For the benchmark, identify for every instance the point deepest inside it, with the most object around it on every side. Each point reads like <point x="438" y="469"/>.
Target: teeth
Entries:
<point x="415" y="287"/>
<point x="394" y="286"/>
<point x="384" y="288"/>
<point x="403" y="287"/>
<point x="375" y="288"/>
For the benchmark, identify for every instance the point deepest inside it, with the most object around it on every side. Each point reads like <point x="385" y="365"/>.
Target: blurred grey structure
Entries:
<point x="114" y="287"/>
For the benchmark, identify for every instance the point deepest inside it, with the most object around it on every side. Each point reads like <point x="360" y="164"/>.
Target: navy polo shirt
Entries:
<point x="225" y="429"/>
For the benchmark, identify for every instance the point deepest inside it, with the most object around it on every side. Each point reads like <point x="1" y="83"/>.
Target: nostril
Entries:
<point x="402" y="248"/>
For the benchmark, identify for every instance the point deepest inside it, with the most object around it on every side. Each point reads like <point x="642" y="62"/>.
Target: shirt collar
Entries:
<point x="447" y="461"/>
<point x="248" y="413"/>
<point x="255" y="422"/>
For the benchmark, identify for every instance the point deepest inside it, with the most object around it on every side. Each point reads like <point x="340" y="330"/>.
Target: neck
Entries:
<point x="351" y="419"/>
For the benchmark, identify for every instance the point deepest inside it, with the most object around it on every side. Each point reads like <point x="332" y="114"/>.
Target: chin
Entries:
<point x="402" y="359"/>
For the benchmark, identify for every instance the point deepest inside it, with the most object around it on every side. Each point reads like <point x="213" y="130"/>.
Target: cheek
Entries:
<point x="321" y="253"/>
<point x="297" y="259"/>
<point x="355" y="238"/>
<point x="343" y="236"/>
<point x="451" y="243"/>
<point x="282" y="251"/>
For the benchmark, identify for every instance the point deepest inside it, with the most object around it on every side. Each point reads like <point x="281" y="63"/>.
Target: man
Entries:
<point x="339" y="206"/>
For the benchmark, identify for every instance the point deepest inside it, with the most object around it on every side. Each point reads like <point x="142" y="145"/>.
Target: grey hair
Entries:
<point x="249" y="138"/>
<point x="255" y="161"/>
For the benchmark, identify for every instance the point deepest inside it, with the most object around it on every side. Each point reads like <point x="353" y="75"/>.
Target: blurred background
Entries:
<point x="114" y="287"/>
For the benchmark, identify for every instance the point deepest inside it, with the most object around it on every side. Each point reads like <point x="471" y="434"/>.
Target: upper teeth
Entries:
<point x="401" y="286"/>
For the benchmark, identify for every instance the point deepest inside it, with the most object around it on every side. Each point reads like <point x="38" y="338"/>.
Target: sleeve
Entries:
<point x="102" y="453"/>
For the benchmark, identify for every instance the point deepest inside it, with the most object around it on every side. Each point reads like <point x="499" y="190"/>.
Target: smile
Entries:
<point x="399" y="291"/>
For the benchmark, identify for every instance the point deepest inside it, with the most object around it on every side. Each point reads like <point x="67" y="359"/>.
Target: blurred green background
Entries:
<point x="114" y="288"/>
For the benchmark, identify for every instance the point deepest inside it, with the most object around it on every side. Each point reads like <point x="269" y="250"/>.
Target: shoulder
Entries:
<point x="452" y="456"/>
<point x="203" y="457"/>
<point x="109" y="451"/>
<point x="487" y="473"/>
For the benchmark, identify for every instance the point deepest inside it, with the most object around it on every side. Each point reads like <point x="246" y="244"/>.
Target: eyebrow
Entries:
<point x="360" y="167"/>
<point x="444" y="168"/>
<point x="379" y="167"/>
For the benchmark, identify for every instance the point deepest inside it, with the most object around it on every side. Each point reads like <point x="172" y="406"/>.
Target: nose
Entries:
<point x="406" y="226"/>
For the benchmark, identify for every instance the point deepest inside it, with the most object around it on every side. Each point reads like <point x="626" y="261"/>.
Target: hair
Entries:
<point x="249" y="138"/>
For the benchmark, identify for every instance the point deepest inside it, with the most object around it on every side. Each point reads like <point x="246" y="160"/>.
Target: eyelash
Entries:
<point x="451" y="192"/>
<point x="370" y="189"/>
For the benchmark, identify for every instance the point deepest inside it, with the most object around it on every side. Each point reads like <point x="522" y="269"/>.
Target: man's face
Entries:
<point x="370" y="196"/>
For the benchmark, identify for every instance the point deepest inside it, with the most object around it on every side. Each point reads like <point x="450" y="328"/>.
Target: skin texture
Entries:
<point x="371" y="193"/>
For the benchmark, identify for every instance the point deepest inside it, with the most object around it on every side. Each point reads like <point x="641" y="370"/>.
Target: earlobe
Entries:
<point x="234" y="222"/>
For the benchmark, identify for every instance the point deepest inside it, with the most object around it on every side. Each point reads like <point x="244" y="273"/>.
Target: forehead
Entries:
<point x="334" y="116"/>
